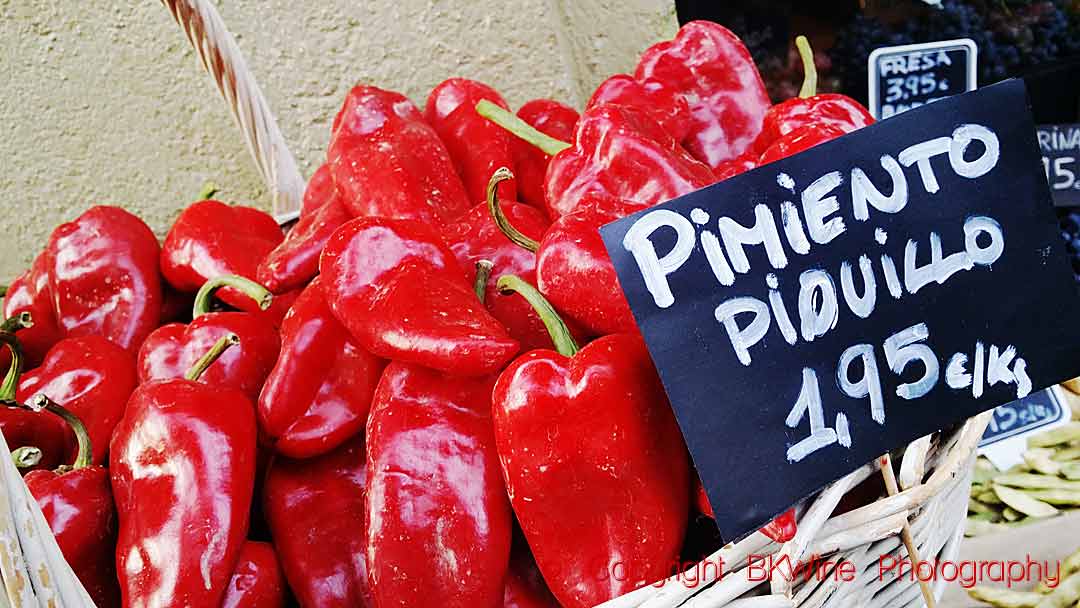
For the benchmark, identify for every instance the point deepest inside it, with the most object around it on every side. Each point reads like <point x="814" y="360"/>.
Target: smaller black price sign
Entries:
<point x="911" y="75"/>
<point x="1060" y="146"/>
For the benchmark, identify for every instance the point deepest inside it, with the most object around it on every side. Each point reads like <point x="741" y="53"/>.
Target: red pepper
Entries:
<point x="388" y="162"/>
<point x="782" y="529"/>
<point x="315" y="509"/>
<point x="438" y="519"/>
<point x="551" y="118"/>
<point x="525" y="586"/>
<point x="103" y="276"/>
<point x="712" y="69"/>
<point x="735" y="166"/>
<point x="172" y="349"/>
<point x="183" y="466"/>
<point x="320" y="389"/>
<point x="401" y="294"/>
<point x="29" y="292"/>
<point x="476" y="146"/>
<point x="21" y="427"/>
<point x="93" y="378"/>
<point x="78" y="505"/>
<point x="257" y="581"/>
<point x="320" y="190"/>
<point x="799" y="140"/>
<point x="279" y="307"/>
<point x="666" y="106"/>
<point x="211" y="239"/>
<point x="296" y="260"/>
<point x="593" y="460"/>
<point x="810" y="107"/>
<point x="477" y="237"/>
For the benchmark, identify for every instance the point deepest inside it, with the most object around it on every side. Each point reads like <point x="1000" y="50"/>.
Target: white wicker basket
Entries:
<point x="34" y="573"/>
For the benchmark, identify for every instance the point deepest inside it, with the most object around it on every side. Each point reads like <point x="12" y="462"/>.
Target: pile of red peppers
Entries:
<point x="429" y="392"/>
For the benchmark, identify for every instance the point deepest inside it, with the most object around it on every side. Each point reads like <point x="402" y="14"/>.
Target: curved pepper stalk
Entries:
<point x="523" y="130"/>
<point x="560" y="334"/>
<point x="501" y="221"/>
<point x="251" y="289"/>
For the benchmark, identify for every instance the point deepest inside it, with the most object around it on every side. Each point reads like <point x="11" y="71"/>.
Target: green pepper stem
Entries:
<point x="223" y="344"/>
<point x="501" y="221"/>
<point x="23" y="320"/>
<point x="3" y="291"/>
<point x="208" y="190"/>
<point x="483" y="273"/>
<point x="27" y="456"/>
<point x="11" y="379"/>
<point x="523" y="130"/>
<point x="560" y="334"/>
<point x="86" y="453"/>
<point x="809" y="84"/>
<point x="250" y="288"/>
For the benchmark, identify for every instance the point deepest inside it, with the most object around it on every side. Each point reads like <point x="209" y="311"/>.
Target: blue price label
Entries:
<point x="1022" y="416"/>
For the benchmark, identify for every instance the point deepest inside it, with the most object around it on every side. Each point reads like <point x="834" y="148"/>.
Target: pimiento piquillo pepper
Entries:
<point x="400" y="292"/>
<point x="183" y="466"/>
<point x="172" y="349"/>
<point x="713" y="70"/>
<point x="320" y="189"/>
<point x="554" y="119"/>
<point x="30" y="292"/>
<point x="388" y="162"/>
<point x="77" y="503"/>
<point x="257" y="581"/>
<point x="667" y="107"/>
<point x="315" y="509"/>
<point x="476" y="146"/>
<point x="210" y="239"/>
<point x="103" y="276"/>
<point x="525" y="586"/>
<point x="319" y="392"/>
<point x="93" y="378"/>
<point x="594" y="462"/>
<point x="435" y="489"/>
<point x="296" y="259"/>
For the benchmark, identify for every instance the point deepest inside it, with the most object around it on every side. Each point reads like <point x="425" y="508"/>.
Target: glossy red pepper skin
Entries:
<point x="172" y="349"/>
<point x="525" y="586"/>
<point x="622" y="152"/>
<point x="475" y="237"/>
<point x="319" y="392"/>
<point x="799" y="140"/>
<point x="435" y="489"/>
<point x="29" y="292"/>
<point x="78" y="505"/>
<point x="736" y="166"/>
<point x="320" y="190"/>
<point x="257" y="581"/>
<point x="295" y="261"/>
<point x="574" y="271"/>
<point x="477" y="146"/>
<point x="315" y="509"/>
<point x="401" y="294"/>
<point x="713" y="70"/>
<point x="388" y="162"/>
<point x="103" y="276"/>
<point x="595" y="466"/>
<point x="183" y="465"/>
<point x="832" y="109"/>
<point x="666" y="106"/>
<point x="93" y="378"/>
<point x="210" y="239"/>
<point x="279" y="307"/>
<point x="530" y="163"/>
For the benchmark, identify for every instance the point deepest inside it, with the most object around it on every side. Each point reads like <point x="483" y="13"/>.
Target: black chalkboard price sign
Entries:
<point x="1060" y="145"/>
<point x="908" y="76"/>
<point x="819" y="311"/>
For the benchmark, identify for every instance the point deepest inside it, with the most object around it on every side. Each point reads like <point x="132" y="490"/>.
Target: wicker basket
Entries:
<point x="935" y="472"/>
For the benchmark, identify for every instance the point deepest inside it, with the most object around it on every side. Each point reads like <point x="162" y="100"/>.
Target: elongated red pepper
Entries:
<point x="401" y="294"/>
<point x="23" y="427"/>
<point x="172" y="349"/>
<point x="388" y="162"/>
<point x="296" y="260"/>
<point x="712" y="69"/>
<point x="315" y="508"/>
<point x="476" y="146"/>
<point x="210" y="239"/>
<point x="320" y="190"/>
<point x="183" y="465"/>
<point x="103" y="276"/>
<point x="477" y="237"/>
<point x="666" y="106"/>
<point x="551" y="118"/>
<point x="29" y="292"/>
<point x="434" y="490"/>
<point x="594" y="462"/>
<point x="78" y="505"/>
<point x="93" y="378"/>
<point x="257" y="581"/>
<point x="319" y="392"/>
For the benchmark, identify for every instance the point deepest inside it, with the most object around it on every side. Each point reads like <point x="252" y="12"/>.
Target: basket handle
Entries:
<point x="221" y="57"/>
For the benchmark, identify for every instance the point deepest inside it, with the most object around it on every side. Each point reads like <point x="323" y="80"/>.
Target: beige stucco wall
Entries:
<point x="105" y="102"/>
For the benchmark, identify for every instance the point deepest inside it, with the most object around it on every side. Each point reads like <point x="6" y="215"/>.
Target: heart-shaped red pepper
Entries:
<point x="402" y="295"/>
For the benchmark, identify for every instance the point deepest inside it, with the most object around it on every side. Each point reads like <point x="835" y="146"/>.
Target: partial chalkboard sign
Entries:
<point x="1060" y="145"/>
<point x="912" y="75"/>
<point x="814" y="313"/>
